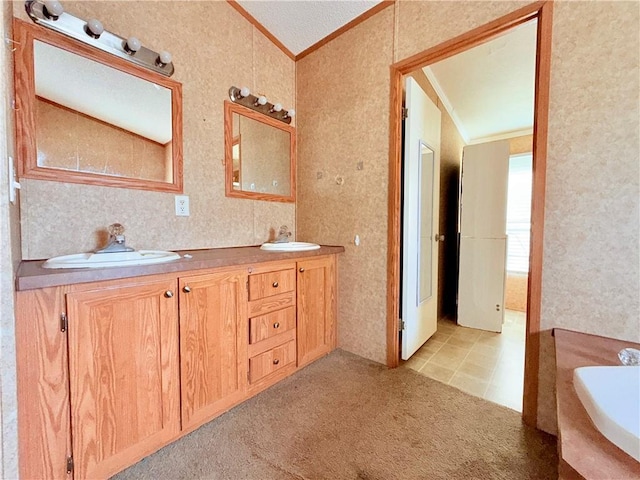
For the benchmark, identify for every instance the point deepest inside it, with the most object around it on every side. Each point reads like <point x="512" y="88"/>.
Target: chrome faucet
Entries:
<point x="116" y="240"/>
<point x="283" y="235"/>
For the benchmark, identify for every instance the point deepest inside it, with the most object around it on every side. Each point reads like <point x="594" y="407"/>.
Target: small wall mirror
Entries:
<point x="259" y="155"/>
<point x="84" y="116"/>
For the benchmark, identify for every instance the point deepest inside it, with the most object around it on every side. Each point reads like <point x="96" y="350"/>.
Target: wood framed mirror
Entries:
<point x="85" y="116"/>
<point x="260" y="155"/>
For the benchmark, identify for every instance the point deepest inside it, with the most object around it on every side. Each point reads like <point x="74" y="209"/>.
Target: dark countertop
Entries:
<point x="586" y="452"/>
<point x="31" y="275"/>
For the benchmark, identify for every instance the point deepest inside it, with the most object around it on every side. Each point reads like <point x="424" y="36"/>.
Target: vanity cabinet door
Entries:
<point x="213" y="344"/>
<point x="124" y="377"/>
<point x="44" y="426"/>
<point x="316" y="332"/>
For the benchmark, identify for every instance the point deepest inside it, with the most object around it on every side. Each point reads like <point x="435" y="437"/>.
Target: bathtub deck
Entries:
<point x="583" y="451"/>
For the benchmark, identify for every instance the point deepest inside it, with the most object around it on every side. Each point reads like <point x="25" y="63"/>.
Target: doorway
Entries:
<point x="542" y="12"/>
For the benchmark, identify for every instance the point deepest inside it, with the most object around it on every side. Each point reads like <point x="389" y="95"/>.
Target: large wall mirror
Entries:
<point x="259" y="155"/>
<point x="85" y="116"/>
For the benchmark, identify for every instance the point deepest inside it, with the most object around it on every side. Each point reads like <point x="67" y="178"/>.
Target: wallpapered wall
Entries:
<point x="118" y="151"/>
<point x="590" y="270"/>
<point x="212" y="50"/>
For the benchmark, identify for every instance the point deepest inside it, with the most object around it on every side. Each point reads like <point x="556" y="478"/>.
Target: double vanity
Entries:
<point x="114" y="363"/>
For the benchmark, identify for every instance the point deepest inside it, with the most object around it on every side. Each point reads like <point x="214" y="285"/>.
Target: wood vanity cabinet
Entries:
<point x="111" y="371"/>
<point x="272" y="324"/>
<point x="98" y="375"/>
<point x="123" y="372"/>
<point x="213" y="347"/>
<point x="316" y="308"/>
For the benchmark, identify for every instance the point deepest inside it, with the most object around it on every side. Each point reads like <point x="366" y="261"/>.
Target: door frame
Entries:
<point x="542" y="11"/>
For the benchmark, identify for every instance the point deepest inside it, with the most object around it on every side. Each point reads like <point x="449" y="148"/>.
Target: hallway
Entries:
<point x="484" y="364"/>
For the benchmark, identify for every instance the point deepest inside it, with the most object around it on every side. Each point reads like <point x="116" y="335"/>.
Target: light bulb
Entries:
<point x="53" y="9"/>
<point x="245" y="92"/>
<point x="163" y="59"/>
<point x="262" y="100"/>
<point x="276" y="108"/>
<point x="94" y="28"/>
<point x="132" y="45"/>
<point x="290" y="113"/>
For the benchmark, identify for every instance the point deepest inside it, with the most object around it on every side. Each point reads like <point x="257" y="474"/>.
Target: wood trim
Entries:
<point x="541" y="10"/>
<point x="470" y="39"/>
<point x="25" y="34"/>
<point x="348" y="26"/>
<point x="394" y="226"/>
<point x="534" y="285"/>
<point x="251" y="19"/>
<point x="229" y="109"/>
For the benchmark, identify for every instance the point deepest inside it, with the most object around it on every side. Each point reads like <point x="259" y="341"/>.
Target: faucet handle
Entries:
<point x="284" y="230"/>
<point x="116" y="229"/>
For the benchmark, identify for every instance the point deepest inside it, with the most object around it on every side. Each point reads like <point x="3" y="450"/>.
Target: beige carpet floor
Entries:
<point x="344" y="417"/>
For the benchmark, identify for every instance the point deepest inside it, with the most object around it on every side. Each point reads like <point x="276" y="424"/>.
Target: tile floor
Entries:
<point x="485" y="364"/>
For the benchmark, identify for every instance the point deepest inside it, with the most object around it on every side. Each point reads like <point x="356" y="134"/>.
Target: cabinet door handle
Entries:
<point x="276" y="325"/>
<point x="301" y="269"/>
<point x="275" y="284"/>
<point x="497" y="307"/>
<point x="276" y="361"/>
<point x="186" y="289"/>
<point x="168" y="294"/>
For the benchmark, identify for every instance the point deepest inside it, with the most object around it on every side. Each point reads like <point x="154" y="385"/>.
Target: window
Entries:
<point x="519" y="212"/>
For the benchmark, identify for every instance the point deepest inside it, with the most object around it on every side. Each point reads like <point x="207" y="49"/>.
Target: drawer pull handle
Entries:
<point x="276" y="361"/>
<point x="186" y="289"/>
<point x="275" y="284"/>
<point x="168" y="294"/>
<point x="276" y="325"/>
<point x="301" y="269"/>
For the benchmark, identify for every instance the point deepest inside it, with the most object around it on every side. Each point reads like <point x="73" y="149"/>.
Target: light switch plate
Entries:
<point x="182" y="205"/>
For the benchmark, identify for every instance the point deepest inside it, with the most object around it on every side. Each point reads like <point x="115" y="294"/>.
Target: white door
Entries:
<point x="481" y="285"/>
<point x="485" y="178"/>
<point x="483" y="226"/>
<point x="421" y="194"/>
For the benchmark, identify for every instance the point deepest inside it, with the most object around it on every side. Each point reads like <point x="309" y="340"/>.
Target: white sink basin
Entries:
<point x="289" y="247"/>
<point x="115" y="259"/>
<point x="611" y="396"/>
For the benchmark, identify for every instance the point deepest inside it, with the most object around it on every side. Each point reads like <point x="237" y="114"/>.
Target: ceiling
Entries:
<point x="302" y="23"/>
<point x="489" y="90"/>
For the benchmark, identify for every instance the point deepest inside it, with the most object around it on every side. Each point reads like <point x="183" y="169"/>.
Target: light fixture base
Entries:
<point x="74" y="27"/>
<point x="250" y="101"/>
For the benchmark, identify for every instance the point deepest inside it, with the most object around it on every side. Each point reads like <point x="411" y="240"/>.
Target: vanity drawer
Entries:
<point x="271" y="361"/>
<point x="271" y="324"/>
<point x="271" y="283"/>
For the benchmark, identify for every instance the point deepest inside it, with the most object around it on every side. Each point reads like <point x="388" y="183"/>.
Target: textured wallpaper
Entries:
<point x="590" y="270"/>
<point x="213" y="48"/>
<point x="515" y="292"/>
<point x="591" y="249"/>
<point x="91" y="145"/>
<point x="343" y="157"/>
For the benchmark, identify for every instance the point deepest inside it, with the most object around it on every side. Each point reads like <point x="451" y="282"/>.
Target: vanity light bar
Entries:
<point x="92" y="33"/>
<point x="260" y="104"/>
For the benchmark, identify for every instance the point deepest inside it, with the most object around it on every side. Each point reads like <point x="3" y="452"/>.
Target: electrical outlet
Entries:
<point x="182" y="205"/>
